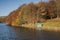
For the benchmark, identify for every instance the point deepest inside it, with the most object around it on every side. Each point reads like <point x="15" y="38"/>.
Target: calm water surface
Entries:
<point x="11" y="33"/>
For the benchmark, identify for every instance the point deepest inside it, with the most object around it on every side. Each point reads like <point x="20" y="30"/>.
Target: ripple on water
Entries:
<point x="10" y="33"/>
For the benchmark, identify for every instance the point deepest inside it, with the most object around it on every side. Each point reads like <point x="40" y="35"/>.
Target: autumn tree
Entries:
<point x="51" y="7"/>
<point x="58" y="7"/>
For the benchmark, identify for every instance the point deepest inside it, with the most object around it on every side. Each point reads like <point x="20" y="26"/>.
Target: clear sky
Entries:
<point x="6" y="6"/>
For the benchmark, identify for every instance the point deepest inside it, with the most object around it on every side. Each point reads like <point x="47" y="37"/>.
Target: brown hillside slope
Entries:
<point x="31" y="13"/>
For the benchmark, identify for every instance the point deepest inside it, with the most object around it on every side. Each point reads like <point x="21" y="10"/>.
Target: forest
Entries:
<point x="34" y="12"/>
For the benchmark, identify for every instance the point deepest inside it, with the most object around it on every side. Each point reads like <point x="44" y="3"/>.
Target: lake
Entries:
<point x="19" y="33"/>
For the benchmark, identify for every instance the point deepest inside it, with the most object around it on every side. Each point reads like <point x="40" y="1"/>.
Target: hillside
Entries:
<point x="32" y="13"/>
<point x="2" y="18"/>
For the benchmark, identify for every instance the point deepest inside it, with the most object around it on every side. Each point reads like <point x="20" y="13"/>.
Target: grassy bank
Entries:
<point x="29" y="25"/>
<point x="52" y="25"/>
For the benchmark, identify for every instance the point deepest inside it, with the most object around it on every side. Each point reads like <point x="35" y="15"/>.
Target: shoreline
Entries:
<point x="33" y="26"/>
<point x="51" y="28"/>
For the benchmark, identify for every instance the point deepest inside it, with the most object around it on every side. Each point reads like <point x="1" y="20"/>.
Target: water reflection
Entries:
<point x="11" y="33"/>
<point x="25" y="33"/>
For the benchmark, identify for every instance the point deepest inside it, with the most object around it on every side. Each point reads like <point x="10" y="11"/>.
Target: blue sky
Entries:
<point x="6" y="6"/>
